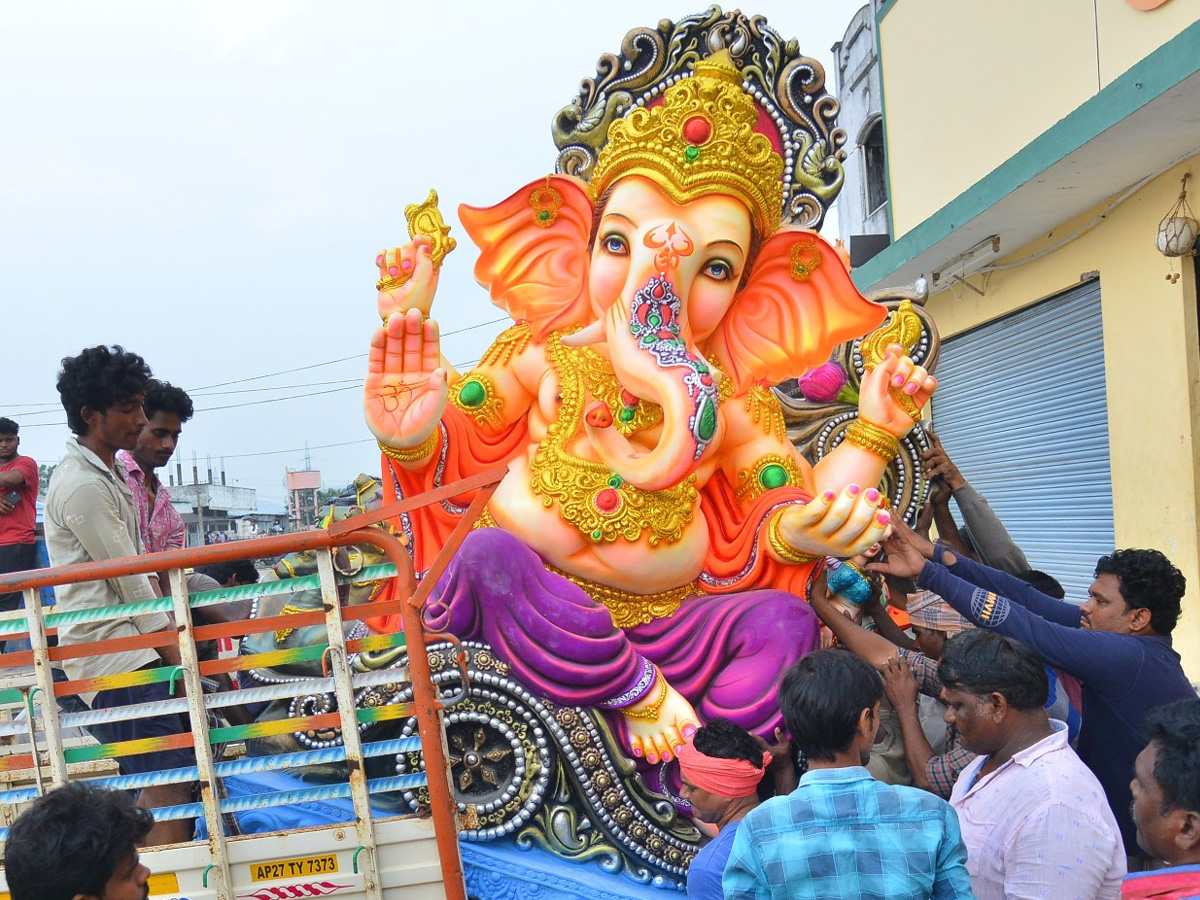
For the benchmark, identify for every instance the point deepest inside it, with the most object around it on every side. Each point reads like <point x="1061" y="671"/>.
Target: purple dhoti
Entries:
<point x="725" y="653"/>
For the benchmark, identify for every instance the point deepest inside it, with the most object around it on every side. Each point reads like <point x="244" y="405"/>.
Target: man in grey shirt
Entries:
<point x="90" y="516"/>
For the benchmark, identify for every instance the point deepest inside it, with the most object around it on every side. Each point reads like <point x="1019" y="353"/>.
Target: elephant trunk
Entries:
<point x="652" y="356"/>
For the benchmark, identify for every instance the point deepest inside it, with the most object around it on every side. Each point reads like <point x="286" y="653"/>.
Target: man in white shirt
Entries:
<point x="1034" y="818"/>
<point x="90" y="516"/>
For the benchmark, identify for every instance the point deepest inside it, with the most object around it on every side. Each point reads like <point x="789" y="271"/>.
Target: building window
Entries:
<point x="876" y="173"/>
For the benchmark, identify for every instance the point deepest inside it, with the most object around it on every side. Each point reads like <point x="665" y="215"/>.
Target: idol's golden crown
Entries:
<point x="699" y="141"/>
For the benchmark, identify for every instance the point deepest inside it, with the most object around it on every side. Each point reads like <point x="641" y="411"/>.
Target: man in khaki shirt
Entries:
<point x="90" y="516"/>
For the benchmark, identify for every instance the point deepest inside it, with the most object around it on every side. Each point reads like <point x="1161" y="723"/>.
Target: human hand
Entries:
<point x="781" y="750"/>
<point x="830" y="524"/>
<point x="405" y="390"/>
<point x="899" y="683"/>
<point x="940" y="467"/>
<point x="906" y="550"/>
<point x="6" y="507"/>
<point x="408" y="277"/>
<point x="925" y="519"/>
<point x="892" y="395"/>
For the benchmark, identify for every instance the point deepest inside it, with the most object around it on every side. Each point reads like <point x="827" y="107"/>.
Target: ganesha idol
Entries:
<point x="650" y="548"/>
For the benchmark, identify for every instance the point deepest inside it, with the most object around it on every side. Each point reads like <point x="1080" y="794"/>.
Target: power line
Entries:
<point x="27" y="411"/>
<point x="335" y="361"/>
<point x="281" y="387"/>
<point x="356" y="383"/>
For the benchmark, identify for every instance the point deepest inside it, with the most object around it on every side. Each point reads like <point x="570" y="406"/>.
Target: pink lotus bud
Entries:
<point x="824" y="383"/>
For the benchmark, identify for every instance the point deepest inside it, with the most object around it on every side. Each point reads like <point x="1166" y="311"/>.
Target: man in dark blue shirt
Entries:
<point x="1117" y="644"/>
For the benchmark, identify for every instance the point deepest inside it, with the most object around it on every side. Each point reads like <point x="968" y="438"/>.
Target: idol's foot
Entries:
<point x="659" y="723"/>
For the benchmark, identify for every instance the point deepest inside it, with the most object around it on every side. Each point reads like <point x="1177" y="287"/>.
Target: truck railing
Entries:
<point x="48" y="760"/>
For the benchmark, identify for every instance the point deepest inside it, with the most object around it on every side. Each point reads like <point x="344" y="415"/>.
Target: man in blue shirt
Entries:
<point x="841" y="833"/>
<point x="720" y="767"/>
<point x="1117" y="644"/>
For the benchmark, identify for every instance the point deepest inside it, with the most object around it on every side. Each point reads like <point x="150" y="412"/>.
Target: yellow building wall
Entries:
<point x="1126" y="36"/>
<point x="969" y="83"/>
<point x="1152" y="358"/>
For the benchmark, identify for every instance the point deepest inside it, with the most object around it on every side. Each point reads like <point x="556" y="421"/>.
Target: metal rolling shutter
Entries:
<point x="1022" y="411"/>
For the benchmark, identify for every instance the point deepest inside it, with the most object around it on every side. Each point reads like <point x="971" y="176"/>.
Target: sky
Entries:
<point x="208" y="184"/>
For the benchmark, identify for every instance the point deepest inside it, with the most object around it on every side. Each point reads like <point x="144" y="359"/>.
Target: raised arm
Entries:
<point x="993" y="544"/>
<point x="1104" y="660"/>
<point x="1016" y="590"/>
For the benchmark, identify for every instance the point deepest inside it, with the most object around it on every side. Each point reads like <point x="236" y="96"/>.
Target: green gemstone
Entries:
<point x="707" y="426"/>
<point x="654" y="320"/>
<point x="472" y="394"/>
<point x="544" y="215"/>
<point x="627" y="414"/>
<point x="616" y="481"/>
<point x="701" y="368"/>
<point x="597" y="534"/>
<point x="692" y="154"/>
<point x="773" y="476"/>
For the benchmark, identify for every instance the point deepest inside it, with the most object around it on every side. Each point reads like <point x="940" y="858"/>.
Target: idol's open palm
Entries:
<point x="405" y="390"/>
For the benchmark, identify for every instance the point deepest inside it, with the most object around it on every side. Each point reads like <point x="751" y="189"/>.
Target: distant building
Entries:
<point x="862" y="205"/>
<point x="216" y="507"/>
<point x="302" y="487"/>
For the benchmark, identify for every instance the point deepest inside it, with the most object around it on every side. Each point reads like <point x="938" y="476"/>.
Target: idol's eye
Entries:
<point x="616" y="245"/>
<point x="719" y="270"/>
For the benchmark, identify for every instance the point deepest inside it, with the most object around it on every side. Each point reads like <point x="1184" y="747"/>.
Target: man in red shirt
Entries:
<point x="18" y="510"/>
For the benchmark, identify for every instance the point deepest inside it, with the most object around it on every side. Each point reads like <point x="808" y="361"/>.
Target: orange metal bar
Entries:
<point x="489" y="477"/>
<point x="425" y="700"/>
<point x="426" y="705"/>
<point x="457" y="536"/>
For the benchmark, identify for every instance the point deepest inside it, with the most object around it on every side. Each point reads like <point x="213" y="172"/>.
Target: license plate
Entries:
<point x="294" y="868"/>
<point x="162" y="883"/>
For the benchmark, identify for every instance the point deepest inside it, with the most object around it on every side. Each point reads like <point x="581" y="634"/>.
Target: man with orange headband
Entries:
<point x="721" y="766"/>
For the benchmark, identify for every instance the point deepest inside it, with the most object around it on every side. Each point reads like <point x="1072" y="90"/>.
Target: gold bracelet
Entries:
<point x="411" y="454"/>
<point x="652" y="711"/>
<point x="873" y="439"/>
<point x="785" y="551"/>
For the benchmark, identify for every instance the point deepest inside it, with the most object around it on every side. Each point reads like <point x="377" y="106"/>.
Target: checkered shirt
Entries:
<point x="843" y="834"/>
<point x="943" y="769"/>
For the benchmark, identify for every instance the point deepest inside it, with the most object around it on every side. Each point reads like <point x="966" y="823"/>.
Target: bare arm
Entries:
<point x="886" y="626"/>
<point x="901" y="688"/>
<point x="874" y="649"/>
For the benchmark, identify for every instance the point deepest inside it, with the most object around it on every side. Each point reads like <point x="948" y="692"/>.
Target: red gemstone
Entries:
<point x="697" y="130"/>
<point x="657" y="292"/>
<point x="607" y="500"/>
<point x="706" y="380"/>
<point x="628" y="399"/>
<point x="599" y="416"/>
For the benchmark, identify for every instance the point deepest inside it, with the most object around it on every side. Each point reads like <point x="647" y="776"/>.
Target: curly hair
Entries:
<point x="1176" y="729"/>
<point x="8" y="426"/>
<point x="983" y="662"/>
<point x="162" y="396"/>
<point x="1147" y="581"/>
<point x="71" y="841"/>
<point x="99" y="378"/>
<point x="724" y="739"/>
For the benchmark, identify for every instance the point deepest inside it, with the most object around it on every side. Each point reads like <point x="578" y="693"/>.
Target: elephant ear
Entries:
<point x="533" y="252"/>
<point x="797" y="306"/>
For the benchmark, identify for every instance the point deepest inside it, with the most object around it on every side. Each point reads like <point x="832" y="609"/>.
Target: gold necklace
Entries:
<point x="593" y="499"/>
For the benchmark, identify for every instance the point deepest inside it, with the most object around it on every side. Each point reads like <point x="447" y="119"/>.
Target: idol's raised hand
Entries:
<point x="893" y="394"/>
<point x="407" y="278"/>
<point x="405" y="389"/>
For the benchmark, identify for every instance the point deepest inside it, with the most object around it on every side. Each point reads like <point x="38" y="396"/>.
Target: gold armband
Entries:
<point x="785" y="551"/>
<point x="873" y="439"/>
<point x="411" y="454"/>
